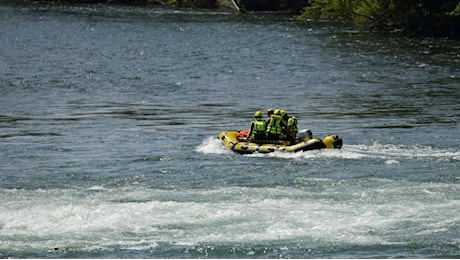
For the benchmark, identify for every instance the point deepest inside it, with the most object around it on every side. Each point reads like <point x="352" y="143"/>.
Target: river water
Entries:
<point x="108" y="124"/>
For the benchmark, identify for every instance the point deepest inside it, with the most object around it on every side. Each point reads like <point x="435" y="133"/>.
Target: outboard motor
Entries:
<point x="304" y="135"/>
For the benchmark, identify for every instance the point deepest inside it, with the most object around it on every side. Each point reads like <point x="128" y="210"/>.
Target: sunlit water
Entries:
<point x="108" y="126"/>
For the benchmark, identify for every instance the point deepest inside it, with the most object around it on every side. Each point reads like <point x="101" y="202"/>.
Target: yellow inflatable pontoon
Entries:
<point x="305" y="142"/>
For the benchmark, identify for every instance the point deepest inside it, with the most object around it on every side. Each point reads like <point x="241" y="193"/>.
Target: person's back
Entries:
<point x="274" y="127"/>
<point x="258" y="127"/>
<point x="293" y="129"/>
<point x="284" y="123"/>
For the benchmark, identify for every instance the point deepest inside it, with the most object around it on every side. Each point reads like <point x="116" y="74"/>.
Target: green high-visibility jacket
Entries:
<point x="274" y="125"/>
<point x="292" y="123"/>
<point x="257" y="127"/>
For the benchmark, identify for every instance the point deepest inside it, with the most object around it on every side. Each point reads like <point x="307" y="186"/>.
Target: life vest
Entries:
<point x="258" y="128"/>
<point x="292" y="123"/>
<point x="274" y="125"/>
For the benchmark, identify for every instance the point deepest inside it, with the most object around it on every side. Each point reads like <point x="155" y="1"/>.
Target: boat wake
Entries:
<point x="391" y="153"/>
<point x="395" y="153"/>
<point x="212" y="145"/>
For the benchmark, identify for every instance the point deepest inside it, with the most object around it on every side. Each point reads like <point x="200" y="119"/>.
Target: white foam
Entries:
<point x="139" y="218"/>
<point x="355" y="152"/>
<point x="390" y="153"/>
<point x="391" y="161"/>
<point x="212" y="145"/>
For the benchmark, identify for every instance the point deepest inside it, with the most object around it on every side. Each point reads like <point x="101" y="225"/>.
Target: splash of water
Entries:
<point x="139" y="218"/>
<point x="392" y="154"/>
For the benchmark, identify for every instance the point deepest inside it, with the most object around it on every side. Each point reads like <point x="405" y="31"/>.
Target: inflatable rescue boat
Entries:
<point x="237" y="141"/>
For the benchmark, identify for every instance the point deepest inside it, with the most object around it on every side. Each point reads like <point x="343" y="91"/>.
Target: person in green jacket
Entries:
<point x="275" y="126"/>
<point x="293" y="129"/>
<point x="258" y="127"/>
<point x="284" y="120"/>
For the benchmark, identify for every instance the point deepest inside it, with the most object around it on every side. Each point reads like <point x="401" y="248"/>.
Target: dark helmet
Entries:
<point x="269" y="112"/>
